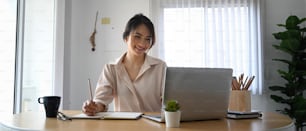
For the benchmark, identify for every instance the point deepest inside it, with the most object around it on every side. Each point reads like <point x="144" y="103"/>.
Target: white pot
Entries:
<point x="173" y="119"/>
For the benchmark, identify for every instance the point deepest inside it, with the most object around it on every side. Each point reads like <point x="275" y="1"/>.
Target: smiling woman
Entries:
<point x="134" y="81"/>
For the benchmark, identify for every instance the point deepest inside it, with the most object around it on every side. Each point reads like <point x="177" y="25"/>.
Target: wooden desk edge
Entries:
<point x="7" y="125"/>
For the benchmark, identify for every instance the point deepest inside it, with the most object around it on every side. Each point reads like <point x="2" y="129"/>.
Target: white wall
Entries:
<point x="81" y="63"/>
<point x="275" y="12"/>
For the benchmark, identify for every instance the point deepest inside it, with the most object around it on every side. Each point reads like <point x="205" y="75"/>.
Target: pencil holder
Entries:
<point x="240" y="101"/>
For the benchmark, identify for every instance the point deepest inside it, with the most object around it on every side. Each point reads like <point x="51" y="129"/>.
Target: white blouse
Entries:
<point x="141" y="95"/>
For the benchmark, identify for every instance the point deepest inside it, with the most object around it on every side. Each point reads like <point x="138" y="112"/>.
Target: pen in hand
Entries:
<point x="91" y="106"/>
<point x="89" y="85"/>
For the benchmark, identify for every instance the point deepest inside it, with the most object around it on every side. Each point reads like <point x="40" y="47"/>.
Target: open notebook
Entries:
<point x="109" y="115"/>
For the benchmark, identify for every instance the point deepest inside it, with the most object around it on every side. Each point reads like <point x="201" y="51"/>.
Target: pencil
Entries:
<point x="249" y="82"/>
<point x="236" y="84"/>
<point x="89" y="85"/>
<point x="244" y="83"/>
<point x="232" y="83"/>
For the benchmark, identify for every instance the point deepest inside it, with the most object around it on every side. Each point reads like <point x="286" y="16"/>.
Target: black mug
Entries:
<point x="51" y="104"/>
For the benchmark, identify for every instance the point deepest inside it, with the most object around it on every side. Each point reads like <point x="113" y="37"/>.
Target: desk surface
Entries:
<point x="38" y="121"/>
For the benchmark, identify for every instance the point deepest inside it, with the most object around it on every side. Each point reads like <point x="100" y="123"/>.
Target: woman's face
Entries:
<point x="139" y="40"/>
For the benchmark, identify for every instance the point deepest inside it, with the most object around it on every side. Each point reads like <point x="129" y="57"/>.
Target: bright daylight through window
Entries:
<point x="215" y="34"/>
<point x="34" y="47"/>
<point x="8" y="9"/>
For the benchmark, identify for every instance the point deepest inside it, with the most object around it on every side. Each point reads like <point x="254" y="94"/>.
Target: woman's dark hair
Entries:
<point x="137" y="20"/>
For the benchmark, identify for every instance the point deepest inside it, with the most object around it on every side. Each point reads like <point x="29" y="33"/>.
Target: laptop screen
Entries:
<point x="203" y="93"/>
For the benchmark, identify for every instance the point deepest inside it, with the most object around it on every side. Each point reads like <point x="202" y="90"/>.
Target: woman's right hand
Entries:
<point x="90" y="107"/>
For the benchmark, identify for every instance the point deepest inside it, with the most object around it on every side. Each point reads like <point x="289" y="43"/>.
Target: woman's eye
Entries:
<point x="137" y="36"/>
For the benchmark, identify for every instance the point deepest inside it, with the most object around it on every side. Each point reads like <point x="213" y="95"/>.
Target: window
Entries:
<point x="27" y="30"/>
<point x="210" y="33"/>
<point x="38" y="53"/>
<point x="8" y="9"/>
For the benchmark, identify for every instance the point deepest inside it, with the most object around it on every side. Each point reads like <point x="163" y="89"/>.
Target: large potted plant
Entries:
<point x="293" y="43"/>
<point x="172" y="113"/>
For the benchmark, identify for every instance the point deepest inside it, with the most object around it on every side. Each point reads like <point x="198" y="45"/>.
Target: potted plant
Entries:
<point x="172" y="113"/>
<point x="293" y="43"/>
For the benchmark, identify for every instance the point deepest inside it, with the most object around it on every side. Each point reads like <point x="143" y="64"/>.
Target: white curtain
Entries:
<point x="210" y="33"/>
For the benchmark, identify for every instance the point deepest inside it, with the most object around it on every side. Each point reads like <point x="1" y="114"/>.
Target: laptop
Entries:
<point x="203" y="93"/>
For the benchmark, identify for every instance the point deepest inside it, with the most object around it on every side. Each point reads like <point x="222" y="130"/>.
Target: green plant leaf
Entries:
<point x="283" y="90"/>
<point x="299" y="107"/>
<point x="281" y="25"/>
<point x="278" y="35"/>
<point x="172" y="106"/>
<point x="278" y="99"/>
<point x="277" y="88"/>
<point x="300" y="114"/>
<point x="289" y="34"/>
<point x="302" y="20"/>
<point x="284" y="73"/>
<point x="282" y="49"/>
<point x="290" y="44"/>
<point x="293" y="34"/>
<point x="292" y="22"/>
<point x="299" y="103"/>
<point x="283" y="60"/>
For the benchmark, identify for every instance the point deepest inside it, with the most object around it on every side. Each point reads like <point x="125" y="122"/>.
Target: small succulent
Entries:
<point x="172" y="106"/>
